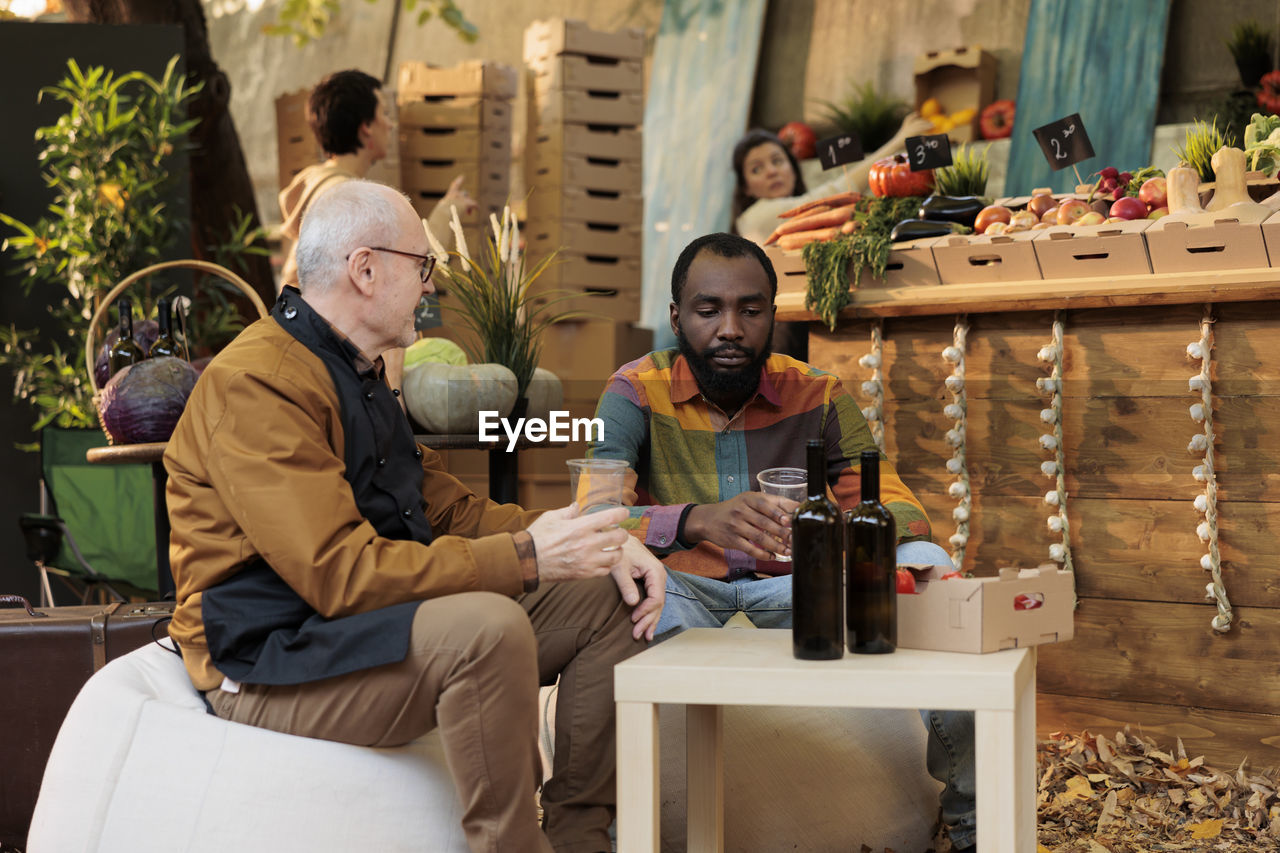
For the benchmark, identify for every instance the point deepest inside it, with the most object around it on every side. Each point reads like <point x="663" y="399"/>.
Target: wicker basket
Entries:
<point x="91" y="343"/>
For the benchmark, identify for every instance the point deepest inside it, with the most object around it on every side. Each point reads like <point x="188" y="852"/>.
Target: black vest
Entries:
<point x="262" y="632"/>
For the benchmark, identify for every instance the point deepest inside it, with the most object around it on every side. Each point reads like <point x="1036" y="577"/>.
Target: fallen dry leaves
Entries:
<point x="1126" y="795"/>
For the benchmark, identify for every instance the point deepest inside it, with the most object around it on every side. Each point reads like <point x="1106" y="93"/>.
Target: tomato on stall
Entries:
<point x="892" y="176"/>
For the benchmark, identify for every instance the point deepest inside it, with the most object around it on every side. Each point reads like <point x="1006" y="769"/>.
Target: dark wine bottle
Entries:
<point x="165" y="343"/>
<point x="872" y="565"/>
<point x="125" y="351"/>
<point x="817" y="566"/>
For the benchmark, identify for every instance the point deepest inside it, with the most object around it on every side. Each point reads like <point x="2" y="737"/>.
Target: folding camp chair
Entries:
<point x="95" y="527"/>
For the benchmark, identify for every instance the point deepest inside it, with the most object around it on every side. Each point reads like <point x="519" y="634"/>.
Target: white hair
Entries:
<point x="354" y="213"/>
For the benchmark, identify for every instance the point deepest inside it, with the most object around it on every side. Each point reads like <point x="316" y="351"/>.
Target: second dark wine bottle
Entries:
<point x="817" y="566"/>
<point x="872" y="565"/>
<point x="166" y="343"/>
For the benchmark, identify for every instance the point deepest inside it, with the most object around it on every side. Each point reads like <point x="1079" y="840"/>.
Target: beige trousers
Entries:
<point x="473" y="669"/>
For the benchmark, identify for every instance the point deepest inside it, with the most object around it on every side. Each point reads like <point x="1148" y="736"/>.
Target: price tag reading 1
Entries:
<point x="1064" y="142"/>
<point x="928" y="152"/>
<point x="838" y="150"/>
<point x="427" y="314"/>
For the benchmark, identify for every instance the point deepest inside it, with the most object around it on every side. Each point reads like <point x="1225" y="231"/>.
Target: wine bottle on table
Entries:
<point x="872" y="566"/>
<point x="166" y="343"/>
<point x="817" y="567"/>
<point x="125" y="351"/>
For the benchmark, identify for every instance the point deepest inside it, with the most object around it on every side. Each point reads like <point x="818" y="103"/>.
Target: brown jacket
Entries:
<point x="256" y="470"/>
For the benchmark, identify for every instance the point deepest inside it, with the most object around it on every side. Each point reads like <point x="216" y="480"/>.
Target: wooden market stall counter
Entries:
<point x="1144" y="653"/>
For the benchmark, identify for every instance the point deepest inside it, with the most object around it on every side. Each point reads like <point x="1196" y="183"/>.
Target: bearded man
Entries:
<point x="698" y="423"/>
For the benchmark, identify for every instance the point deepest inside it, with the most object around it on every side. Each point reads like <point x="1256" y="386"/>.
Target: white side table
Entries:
<point x="706" y="668"/>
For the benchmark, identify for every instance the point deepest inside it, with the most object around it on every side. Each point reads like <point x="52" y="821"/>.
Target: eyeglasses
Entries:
<point x="428" y="261"/>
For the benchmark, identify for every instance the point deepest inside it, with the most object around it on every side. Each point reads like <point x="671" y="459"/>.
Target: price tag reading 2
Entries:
<point x="928" y="152"/>
<point x="1064" y="142"/>
<point x="838" y="150"/>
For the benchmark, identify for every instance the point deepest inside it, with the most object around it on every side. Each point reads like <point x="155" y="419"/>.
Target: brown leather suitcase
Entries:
<point x="46" y="655"/>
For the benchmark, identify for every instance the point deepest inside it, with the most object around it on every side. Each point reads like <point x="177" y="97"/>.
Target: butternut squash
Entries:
<point x="1228" y="172"/>
<point x="1183" y="185"/>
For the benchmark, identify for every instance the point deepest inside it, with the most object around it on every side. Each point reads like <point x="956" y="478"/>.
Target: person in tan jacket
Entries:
<point x="348" y="114"/>
<point x="334" y="581"/>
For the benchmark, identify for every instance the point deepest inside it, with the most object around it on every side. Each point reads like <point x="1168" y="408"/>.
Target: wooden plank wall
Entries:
<point x="1144" y="653"/>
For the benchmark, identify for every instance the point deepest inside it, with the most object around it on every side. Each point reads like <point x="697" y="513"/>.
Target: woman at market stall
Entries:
<point x="769" y="180"/>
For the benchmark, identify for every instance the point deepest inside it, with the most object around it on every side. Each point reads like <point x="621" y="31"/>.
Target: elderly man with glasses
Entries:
<point x="334" y="581"/>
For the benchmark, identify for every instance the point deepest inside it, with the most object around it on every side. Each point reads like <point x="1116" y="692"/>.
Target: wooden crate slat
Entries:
<point x="1224" y="738"/>
<point x="559" y="35"/>
<point x="1166" y="654"/>
<point x="469" y="143"/>
<point x="460" y="112"/>
<point x="589" y="72"/>
<point x="472" y="78"/>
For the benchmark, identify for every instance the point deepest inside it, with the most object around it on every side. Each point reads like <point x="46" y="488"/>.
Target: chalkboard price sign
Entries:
<point x="1064" y="142"/>
<point x="928" y="152"/>
<point x="427" y="314"/>
<point x="838" y="150"/>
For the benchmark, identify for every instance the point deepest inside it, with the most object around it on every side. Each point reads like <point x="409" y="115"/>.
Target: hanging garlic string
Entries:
<point x="1051" y="354"/>
<point x="874" y="387"/>
<point x="958" y="409"/>
<point x="1207" y="503"/>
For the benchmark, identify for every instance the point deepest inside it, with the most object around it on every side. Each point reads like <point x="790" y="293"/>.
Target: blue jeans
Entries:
<point x="698" y="602"/>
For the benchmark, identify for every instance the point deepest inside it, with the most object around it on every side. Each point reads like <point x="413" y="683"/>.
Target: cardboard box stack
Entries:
<point x="457" y="121"/>
<point x="583" y="160"/>
<point x="296" y="145"/>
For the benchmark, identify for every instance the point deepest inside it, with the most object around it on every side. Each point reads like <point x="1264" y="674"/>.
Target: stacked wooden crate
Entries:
<point x="457" y="121"/>
<point x="296" y="145"/>
<point x="583" y="161"/>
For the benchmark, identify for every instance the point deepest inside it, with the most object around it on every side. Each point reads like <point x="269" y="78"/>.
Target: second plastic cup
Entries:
<point x="790" y="483"/>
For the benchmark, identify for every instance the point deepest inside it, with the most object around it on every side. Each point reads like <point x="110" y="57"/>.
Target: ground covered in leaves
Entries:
<point x="1126" y="794"/>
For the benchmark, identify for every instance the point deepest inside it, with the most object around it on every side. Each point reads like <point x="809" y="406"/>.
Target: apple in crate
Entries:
<point x="1128" y="207"/>
<point x="1071" y="210"/>
<point x="1157" y="212"/>
<point x="1093" y="217"/>
<point x="1154" y="193"/>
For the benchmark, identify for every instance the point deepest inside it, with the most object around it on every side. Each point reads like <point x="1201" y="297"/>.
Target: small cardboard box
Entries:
<point x="617" y="143"/>
<point x="483" y="78"/>
<point x="481" y="178"/>
<point x="296" y="145"/>
<point x="963" y="78"/>
<point x="1271" y="238"/>
<point x="559" y="35"/>
<point x="454" y="143"/>
<point x="589" y="72"/>
<point x="910" y="264"/>
<point x="457" y="113"/>
<point x="602" y="238"/>
<point x="1110" y="249"/>
<point x="605" y="287"/>
<point x="1227" y="244"/>
<point x="584" y="205"/>
<point x="1026" y="607"/>
<point x="550" y="106"/>
<point x="610" y="344"/>
<point x="977" y="258"/>
<point x="592" y="173"/>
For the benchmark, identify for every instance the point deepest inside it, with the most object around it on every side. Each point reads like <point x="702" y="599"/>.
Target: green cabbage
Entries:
<point x="440" y="350"/>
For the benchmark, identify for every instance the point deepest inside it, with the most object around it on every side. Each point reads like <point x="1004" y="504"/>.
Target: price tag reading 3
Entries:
<point x="1064" y="142"/>
<point x="928" y="152"/>
<point x="838" y="150"/>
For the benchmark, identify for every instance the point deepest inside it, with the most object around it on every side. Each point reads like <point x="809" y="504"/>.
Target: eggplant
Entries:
<point x="914" y="229"/>
<point x="949" y="208"/>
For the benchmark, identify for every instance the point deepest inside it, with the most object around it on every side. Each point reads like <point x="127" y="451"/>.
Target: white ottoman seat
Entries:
<point x="139" y="765"/>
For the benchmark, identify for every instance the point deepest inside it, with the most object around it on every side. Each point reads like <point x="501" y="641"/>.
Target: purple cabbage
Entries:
<point x="143" y="401"/>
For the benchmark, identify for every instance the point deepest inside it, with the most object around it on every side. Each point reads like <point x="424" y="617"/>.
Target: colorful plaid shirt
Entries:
<point x="684" y="450"/>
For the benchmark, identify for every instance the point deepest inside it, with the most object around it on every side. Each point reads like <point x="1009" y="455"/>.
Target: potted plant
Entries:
<point x="496" y="301"/>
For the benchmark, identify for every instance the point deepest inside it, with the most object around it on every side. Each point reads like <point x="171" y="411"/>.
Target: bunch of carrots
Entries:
<point x="816" y="221"/>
